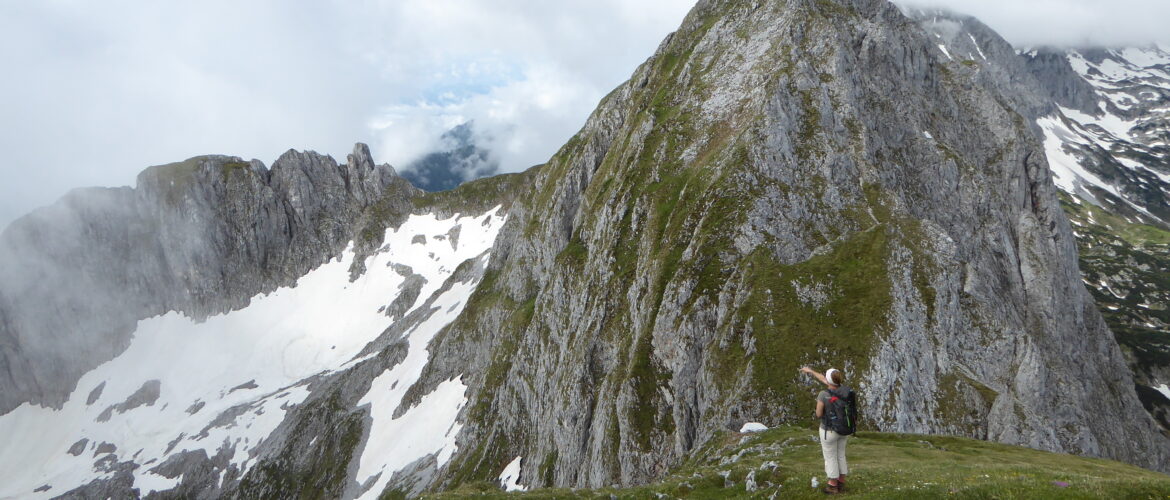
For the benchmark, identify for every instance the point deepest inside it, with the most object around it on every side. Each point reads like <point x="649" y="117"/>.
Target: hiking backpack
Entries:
<point x="841" y="411"/>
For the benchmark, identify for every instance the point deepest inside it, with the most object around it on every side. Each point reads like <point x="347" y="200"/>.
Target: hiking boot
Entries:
<point x="832" y="489"/>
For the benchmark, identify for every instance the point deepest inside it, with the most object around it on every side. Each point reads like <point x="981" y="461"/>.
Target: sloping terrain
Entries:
<point x="1115" y="166"/>
<point x="208" y="404"/>
<point x="201" y="237"/>
<point x="219" y="388"/>
<point x="1118" y="156"/>
<point x="788" y="183"/>
<point x="786" y="463"/>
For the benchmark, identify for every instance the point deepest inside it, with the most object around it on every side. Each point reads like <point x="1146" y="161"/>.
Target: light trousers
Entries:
<point x="833" y="448"/>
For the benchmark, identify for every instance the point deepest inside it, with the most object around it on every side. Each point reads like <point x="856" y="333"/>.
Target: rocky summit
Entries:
<point x="783" y="183"/>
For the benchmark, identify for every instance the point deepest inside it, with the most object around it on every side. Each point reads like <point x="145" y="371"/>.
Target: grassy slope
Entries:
<point x="1127" y="269"/>
<point x="783" y="461"/>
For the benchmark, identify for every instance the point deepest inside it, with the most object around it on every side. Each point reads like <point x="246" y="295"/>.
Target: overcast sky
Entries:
<point x="95" y="91"/>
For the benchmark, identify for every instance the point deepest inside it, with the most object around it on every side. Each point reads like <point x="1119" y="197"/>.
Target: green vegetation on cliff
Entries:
<point x="1126" y="266"/>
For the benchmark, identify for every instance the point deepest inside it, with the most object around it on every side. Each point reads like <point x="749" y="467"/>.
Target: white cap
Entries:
<point x="829" y="375"/>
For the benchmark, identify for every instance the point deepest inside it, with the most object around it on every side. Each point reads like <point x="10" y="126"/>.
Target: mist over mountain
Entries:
<point x="975" y="234"/>
<point x="458" y="160"/>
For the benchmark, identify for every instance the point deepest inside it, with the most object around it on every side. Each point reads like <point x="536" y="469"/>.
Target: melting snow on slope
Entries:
<point x="510" y="478"/>
<point x="1116" y="126"/>
<point x="1145" y="57"/>
<point x="425" y="429"/>
<point x="977" y="46"/>
<point x="1128" y="64"/>
<point x="1067" y="172"/>
<point x="253" y="362"/>
<point x="945" y="52"/>
<point x="1066" y="169"/>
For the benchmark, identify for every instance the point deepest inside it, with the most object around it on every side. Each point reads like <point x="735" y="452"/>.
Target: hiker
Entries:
<point x="837" y="411"/>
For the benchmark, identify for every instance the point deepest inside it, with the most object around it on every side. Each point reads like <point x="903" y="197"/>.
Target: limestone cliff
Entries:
<point x="787" y="183"/>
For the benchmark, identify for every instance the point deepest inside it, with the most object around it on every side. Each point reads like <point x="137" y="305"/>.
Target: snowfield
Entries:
<point x="187" y="386"/>
<point x="510" y="477"/>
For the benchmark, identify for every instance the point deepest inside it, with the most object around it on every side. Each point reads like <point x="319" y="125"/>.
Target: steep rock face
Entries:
<point x="1105" y="135"/>
<point x="821" y="182"/>
<point x="200" y="237"/>
<point x="296" y="391"/>
<point x="1103" y="127"/>
<point x="1111" y="160"/>
<point x="1057" y="77"/>
<point x="786" y="183"/>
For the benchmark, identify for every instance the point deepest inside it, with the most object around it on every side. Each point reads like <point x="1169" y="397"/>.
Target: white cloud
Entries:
<point x="527" y="72"/>
<point x="1067" y="22"/>
<point x="96" y="91"/>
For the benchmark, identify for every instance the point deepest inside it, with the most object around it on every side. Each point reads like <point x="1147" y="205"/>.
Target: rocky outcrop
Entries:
<point x="200" y="236"/>
<point x="649" y="292"/>
<point x="1035" y="82"/>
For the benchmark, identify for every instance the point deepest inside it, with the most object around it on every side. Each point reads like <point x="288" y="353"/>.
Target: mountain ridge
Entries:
<point x="205" y="235"/>
<point x="563" y="241"/>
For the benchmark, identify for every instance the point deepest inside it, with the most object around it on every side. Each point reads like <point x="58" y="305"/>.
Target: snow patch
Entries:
<point x="1068" y="174"/>
<point x="1164" y="389"/>
<point x="753" y="427"/>
<point x="976" y="44"/>
<point x="945" y="52"/>
<point x="1115" y="125"/>
<point x="430" y="427"/>
<point x="510" y="478"/>
<point x="151" y="482"/>
<point x="1067" y="171"/>
<point x="1144" y="58"/>
<point x="426" y="429"/>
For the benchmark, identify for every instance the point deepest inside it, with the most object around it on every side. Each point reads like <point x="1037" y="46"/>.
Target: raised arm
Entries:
<point x="817" y="375"/>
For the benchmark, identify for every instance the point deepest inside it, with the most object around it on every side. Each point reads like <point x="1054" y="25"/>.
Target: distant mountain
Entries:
<point x="458" y="160"/>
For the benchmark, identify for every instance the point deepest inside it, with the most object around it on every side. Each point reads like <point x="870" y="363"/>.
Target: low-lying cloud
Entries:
<point x="95" y="92"/>
<point x="1067" y="22"/>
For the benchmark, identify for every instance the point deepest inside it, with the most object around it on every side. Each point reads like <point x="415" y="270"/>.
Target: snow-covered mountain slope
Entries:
<point x="200" y="236"/>
<point x="1118" y="156"/>
<point x="223" y="385"/>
